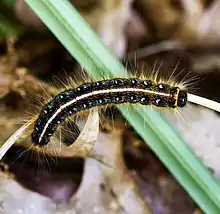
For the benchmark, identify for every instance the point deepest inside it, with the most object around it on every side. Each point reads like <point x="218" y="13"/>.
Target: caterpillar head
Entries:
<point x="182" y="98"/>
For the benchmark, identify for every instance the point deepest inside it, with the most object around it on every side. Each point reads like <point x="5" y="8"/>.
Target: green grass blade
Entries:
<point x="9" y="26"/>
<point x="85" y="46"/>
<point x="9" y="3"/>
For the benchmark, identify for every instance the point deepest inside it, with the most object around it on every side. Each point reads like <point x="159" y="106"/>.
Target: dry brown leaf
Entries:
<point x="115" y="178"/>
<point x="83" y="145"/>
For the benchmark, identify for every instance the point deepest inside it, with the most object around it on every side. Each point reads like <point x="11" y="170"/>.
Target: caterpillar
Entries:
<point x="101" y="93"/>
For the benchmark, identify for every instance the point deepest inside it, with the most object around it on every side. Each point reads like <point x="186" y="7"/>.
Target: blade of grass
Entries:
<point x="84" y="45"/>
<point x="9" y="26"/>
<point x="9" y="2"/>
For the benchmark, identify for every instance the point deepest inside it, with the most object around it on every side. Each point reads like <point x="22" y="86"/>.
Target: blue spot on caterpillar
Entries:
<point x="101" y="93"/>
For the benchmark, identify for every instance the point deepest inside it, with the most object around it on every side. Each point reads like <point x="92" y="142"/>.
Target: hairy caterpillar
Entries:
<point x="101" y="93"/>
<point x="144" y="83"/>
<point x="156" y="84"/>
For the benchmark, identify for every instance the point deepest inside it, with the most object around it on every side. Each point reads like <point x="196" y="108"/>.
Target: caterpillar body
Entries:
<point x="102" y="93"/>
